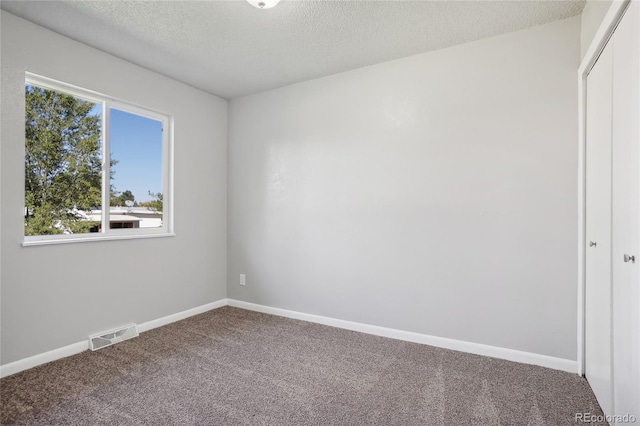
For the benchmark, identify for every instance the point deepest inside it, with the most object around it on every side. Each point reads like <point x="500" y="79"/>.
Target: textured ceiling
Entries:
<point x="230" y="48"/>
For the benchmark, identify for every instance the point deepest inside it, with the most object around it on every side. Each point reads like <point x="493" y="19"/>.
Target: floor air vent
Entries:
<point x="108" y="338"/>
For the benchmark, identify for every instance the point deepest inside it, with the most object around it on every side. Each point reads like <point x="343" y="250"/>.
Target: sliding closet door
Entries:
<point x="598" y="344"/>
<point x="626" y="213"/>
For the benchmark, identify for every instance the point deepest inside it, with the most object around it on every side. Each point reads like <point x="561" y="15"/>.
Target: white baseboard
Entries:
<point x="75" y="348"/>
<point x="43" y="358"/>
<point x="441" y="342"/>
<point x="149" y="325"/>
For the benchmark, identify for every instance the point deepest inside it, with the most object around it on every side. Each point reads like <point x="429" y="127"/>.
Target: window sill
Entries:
<point x="91" y="238"/>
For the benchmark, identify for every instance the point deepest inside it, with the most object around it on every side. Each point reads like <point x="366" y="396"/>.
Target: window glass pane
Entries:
<point x="136" y="170"/>
<point x="69" y="172"/>
<point x="63" y="163"/>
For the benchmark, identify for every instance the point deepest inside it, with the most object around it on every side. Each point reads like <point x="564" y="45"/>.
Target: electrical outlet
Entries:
<point x="243" y="279"/>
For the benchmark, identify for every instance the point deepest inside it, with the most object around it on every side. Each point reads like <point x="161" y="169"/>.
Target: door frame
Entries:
<point x="602" y="36"/>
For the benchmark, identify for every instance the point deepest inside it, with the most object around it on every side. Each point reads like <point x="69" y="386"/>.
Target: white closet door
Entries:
<point x="626" y="213"/>
<point x="598" y="342"/>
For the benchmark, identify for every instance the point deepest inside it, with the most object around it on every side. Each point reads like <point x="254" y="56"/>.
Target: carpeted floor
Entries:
<point x="235" y="367"/>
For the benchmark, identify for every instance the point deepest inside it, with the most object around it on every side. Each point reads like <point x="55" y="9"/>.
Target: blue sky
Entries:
<point x="136" y="143"/>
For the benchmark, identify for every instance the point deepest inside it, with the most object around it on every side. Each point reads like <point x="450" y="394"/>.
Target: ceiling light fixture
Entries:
<point x="263" y="4"/>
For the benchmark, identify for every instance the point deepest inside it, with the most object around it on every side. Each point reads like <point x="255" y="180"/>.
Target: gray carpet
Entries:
<point x="235" y="367"/>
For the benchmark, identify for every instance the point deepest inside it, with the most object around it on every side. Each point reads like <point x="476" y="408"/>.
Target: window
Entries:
<point x="95" y="167"/>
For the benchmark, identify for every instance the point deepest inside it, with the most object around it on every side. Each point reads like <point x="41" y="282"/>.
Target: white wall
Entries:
<point x="592" y="15"/>
<point x="59" y="294"/>
<point x="435" y="194"/>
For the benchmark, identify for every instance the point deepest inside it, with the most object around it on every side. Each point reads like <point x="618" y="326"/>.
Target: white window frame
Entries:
<point x="108" y="102"/>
